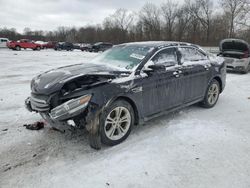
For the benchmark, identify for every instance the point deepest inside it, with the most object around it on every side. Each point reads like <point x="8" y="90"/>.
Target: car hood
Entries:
<point x="53" y="80"/>
<point x="236" y="45"/>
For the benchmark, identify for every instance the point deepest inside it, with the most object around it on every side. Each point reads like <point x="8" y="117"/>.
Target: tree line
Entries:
<point x="197" y="21"/>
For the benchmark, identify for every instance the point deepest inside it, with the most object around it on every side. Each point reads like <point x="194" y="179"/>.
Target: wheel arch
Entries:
<point x="218" y="79"/>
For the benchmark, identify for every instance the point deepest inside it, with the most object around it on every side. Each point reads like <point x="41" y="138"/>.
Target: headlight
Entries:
<point x="70" y="107"/>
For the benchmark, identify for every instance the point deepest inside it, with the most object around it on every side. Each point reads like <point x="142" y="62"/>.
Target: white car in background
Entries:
<point x="3" y="42"/>
<point x="42" y="43"/>
<point x="236" y="53"/>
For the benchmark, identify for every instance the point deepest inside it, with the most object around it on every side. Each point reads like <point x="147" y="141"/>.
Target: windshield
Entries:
<point x="123" y="56"/>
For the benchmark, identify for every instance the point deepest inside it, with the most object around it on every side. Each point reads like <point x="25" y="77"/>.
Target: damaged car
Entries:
<point x="236" y="52"/>
<point x="127" y="85"/>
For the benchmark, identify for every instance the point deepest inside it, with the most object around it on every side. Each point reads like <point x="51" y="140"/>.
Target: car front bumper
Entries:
<point x="84" y="117"/>
<point x="237" y="64"/>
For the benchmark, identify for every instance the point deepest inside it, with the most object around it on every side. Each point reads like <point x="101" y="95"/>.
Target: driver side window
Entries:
<point x="166" y="57"/>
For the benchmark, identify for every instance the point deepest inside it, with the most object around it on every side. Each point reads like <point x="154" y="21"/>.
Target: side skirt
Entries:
<point x="171" y="110"/>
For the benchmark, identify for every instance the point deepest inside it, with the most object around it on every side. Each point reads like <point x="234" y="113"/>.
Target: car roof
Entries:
<point x="160" y="44"/>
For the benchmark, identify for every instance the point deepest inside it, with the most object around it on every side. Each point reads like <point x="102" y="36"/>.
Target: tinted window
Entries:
<point x="166" y="57"/>
<point x="3" y="40"/>
<point x="192" y="54"/>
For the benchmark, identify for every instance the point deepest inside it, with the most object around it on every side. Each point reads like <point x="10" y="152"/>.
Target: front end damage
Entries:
<point x="76" y="113"/>
<point x="75" y="103"/>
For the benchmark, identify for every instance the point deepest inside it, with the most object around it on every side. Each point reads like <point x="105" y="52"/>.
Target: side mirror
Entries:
<point x="154" y="68"/>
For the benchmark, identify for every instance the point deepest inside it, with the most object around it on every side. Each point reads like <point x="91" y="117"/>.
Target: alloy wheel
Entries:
<point x="117" y="123"/>
<point x="213" y="94"/>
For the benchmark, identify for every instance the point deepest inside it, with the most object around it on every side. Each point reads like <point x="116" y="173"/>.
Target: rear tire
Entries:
<point x="116" y="122"/>
<point x="212" y="94"/>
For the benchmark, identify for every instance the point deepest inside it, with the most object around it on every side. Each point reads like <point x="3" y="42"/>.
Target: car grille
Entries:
<point x="39" y="104"/>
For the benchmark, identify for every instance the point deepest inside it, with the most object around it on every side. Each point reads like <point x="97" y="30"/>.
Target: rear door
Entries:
<point x="196" y="70"/>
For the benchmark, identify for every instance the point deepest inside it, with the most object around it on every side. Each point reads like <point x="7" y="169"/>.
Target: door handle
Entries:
<point x="206" y="67"/>
<point x="176" y="74"/>
<point x="179" y="71"/>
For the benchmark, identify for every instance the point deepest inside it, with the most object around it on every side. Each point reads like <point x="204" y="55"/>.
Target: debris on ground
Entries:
<point x="35" y="126"/>
<point x="7" y="169"/>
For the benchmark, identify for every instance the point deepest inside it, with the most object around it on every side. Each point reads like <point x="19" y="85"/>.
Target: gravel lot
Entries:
<point x="194" y="147"/>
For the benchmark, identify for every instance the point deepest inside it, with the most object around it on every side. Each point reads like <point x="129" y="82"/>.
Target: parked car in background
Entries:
<point x="24" y="43"/>
<point x="77" y="46"/>
<point x="42" y="43"/>
<point x="85" y="47"/>
<point x="126" y="85"/>
<point x="64" y="46"/>
<point x="50" y="44"/>
<point x="100" y="47"/>
<point x="3" y="42"/>
<point x="236" y="53"/>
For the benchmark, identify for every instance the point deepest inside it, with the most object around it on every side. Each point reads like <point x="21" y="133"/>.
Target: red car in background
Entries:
<point x="23" y="43"/>
<point x="50" y="44"/>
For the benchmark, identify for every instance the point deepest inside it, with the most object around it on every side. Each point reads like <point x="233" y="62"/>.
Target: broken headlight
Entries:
<point x="70" y="107"/>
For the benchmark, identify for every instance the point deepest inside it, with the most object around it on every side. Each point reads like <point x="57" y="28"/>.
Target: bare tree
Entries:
<point x="235" y="11"/>
<point x="194" y="21"/>
<point x="183" y="18"/>
<point x="169" y="10"/>
<point x="202" y="10"/>
<point x="123" y="19"/>
<point x="149" y="16"/>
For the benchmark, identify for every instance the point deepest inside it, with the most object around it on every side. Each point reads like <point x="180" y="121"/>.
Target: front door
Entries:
<point x="162" y="90"/>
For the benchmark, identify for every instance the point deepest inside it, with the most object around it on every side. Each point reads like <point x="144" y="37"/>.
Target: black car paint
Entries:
<point x="64" y="46"/>
<point x="100" y="46"/>
<point x="150" y="95"/>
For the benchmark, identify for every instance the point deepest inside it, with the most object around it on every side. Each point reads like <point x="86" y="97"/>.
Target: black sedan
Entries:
<point x="125" y="86"/>
<point x="100" y="47"/>
<point x="64" y="46"/>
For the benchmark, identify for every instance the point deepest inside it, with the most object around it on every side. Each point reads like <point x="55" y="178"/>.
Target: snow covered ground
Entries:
<point x="191" y="148"/>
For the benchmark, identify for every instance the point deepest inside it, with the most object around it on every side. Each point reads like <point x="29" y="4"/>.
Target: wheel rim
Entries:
<point x="213" y="94"/>
<point x="117" y="123"/>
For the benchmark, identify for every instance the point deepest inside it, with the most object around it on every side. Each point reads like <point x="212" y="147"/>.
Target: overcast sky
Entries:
<point x="49" y="14"/>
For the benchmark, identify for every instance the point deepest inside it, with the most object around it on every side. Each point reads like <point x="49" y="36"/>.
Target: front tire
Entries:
<point x="212" y="94"/>
<point x="18" y="48"/>
<point x="116" y="122"/>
